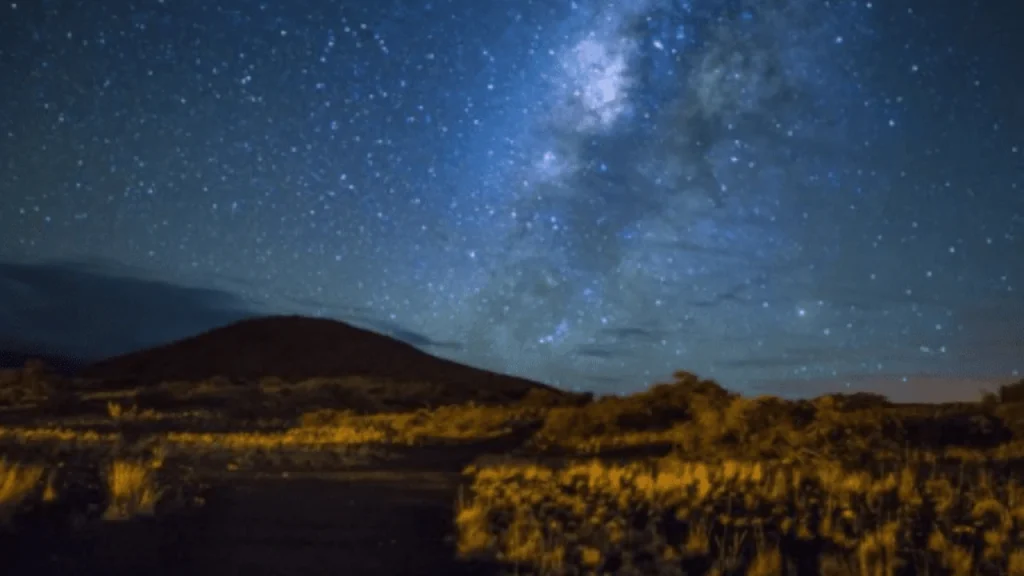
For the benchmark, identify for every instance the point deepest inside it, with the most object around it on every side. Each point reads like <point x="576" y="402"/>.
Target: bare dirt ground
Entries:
<point x="397" y="522"/>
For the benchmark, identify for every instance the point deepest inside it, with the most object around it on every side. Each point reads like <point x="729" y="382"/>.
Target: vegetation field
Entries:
<point x="272" y="477"/>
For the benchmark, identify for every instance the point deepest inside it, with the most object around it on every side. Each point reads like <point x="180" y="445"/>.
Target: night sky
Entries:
<point x="592" y="194"/>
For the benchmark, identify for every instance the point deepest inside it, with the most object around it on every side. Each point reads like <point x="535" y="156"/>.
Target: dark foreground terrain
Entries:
<point x="391" y="516"/>
<point x="376" y="498"/>
<point x="364" y="473"/>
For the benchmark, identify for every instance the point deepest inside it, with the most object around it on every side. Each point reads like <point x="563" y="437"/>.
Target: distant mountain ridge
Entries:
<point x="296" y="348"/>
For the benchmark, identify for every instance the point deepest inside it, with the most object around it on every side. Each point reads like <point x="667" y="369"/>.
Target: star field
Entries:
<point x="592" y="194"/>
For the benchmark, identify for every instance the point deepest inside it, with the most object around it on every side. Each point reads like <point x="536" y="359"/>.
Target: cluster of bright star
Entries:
<point x="587" y="193"/>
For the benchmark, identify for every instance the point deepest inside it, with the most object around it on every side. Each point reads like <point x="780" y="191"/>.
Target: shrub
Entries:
<point x="661" y="408"/>
<point x="610" y="415"/>
<point x="1012" y="392"/>
<point x="860" y="401"/>
<point x="36" y="384"/>
<point x="546" y="398"/>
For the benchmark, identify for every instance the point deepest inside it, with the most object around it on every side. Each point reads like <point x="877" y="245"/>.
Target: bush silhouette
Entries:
<point x="1012" y="392"/>
<point x="36" y="383"/>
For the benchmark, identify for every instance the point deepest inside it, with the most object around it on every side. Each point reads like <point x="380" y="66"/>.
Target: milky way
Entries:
<point x="593" y="194"/>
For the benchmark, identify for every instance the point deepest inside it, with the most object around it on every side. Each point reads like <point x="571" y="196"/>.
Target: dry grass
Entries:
<point x="324" y="429"/>
<point x="851" y="483"/>
<point x="65" y="436"/>
<point x="18" y="482"/>
<point x="703" y="420"/>
<point x="465" y="422"/>
<point x="35" y="386"/>
<point x="274" y="396"/>
<point x="673" y="517"/>
<point x="132" y="489"/>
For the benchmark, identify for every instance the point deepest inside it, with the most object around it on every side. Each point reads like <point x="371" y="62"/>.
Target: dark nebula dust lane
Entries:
<point x="591" y="194"/>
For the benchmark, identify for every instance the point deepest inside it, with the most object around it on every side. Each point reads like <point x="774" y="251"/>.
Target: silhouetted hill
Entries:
<point x="296" y="348"/>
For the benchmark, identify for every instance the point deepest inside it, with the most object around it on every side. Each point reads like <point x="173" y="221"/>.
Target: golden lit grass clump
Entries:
<point x="18" y="483"/>
<point x="675" y="517"/>
<point x="132" y="489"/>
<point x="131" y="486"/>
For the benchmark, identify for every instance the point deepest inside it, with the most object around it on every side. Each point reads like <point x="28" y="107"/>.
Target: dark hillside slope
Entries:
<point x="296" y="348"/>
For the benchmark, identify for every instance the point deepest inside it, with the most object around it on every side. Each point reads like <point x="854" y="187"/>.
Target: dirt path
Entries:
<point x="399" y="522"/>
<point x="394" y="518"/>
<point x="394" y="521"/>
<point x="391" y="519"/>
